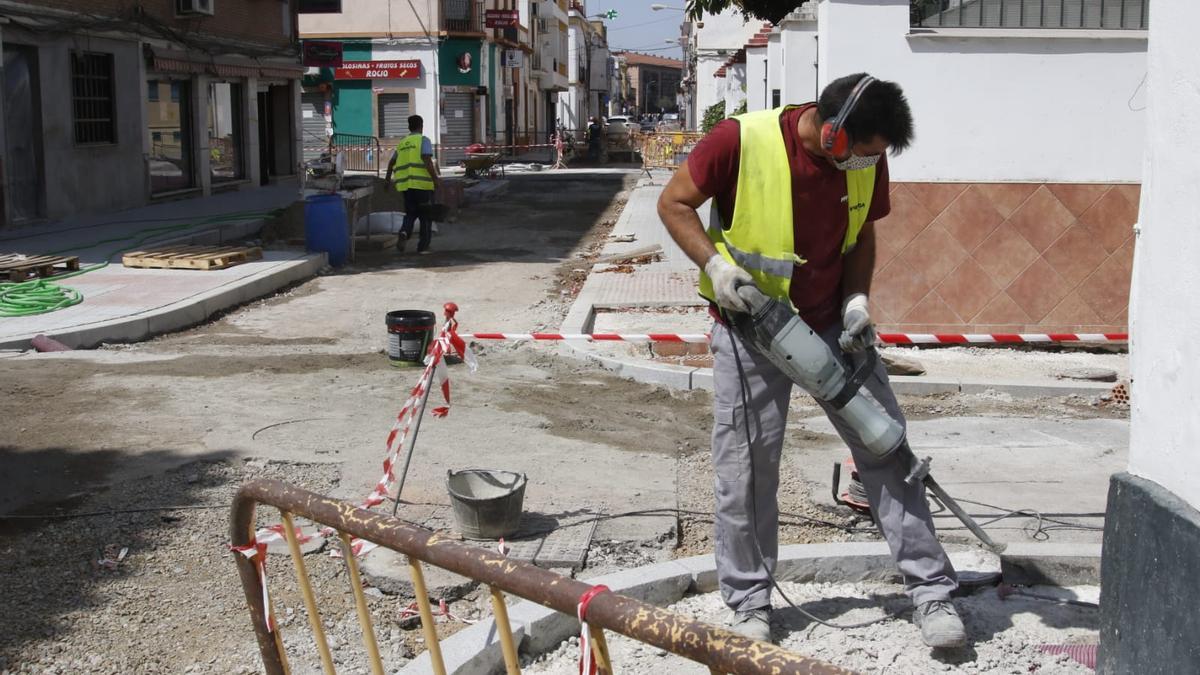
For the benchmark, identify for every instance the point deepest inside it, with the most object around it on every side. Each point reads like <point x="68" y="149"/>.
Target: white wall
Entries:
<point x="709" y="88"/>
<point x="1164" y="444"/>
<point x="727" y="30"/>
<point x="798" y="49"/>
<point x="735" y="87"/>
<point x="424" y="99"/>
<point x="758" y="96"/>
<point x="998" y="108"/>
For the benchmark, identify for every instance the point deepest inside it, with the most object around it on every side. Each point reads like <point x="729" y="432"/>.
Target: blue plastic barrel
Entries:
<point x="325" y="227"/>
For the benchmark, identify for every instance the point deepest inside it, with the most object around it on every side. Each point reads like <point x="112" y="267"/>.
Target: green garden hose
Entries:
<point x="39" y="296"/>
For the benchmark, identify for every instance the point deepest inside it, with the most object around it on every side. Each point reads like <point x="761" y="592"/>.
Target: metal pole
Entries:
<point x="411" y="441"/>
<point x="958" y="511"/>
<point x="360" y="604"/>
<point x="512" y="664"/>
<point x="428" y="625"/>
<point x="310" y="600"/>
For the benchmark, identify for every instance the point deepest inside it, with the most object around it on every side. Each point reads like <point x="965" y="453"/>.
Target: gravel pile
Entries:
<point x="173" y="603"/>
<point x="1005" y="634"/>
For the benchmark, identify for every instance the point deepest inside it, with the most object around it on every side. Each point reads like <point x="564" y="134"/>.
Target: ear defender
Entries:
<point x="834" y="138"/>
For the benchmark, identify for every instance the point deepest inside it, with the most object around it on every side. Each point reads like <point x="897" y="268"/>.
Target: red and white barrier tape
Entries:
<point x="587" y="665"/>
<point x="886" y="338"/>
<point x="257" y="551"/>
<point x="447" y="342"/>
<point x="495" y="147"/>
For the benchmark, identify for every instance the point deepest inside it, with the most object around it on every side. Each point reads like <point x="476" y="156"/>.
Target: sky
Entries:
<point x="639" y="28"/>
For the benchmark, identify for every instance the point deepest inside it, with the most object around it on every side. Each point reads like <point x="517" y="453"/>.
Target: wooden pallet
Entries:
<point x="192" y="257"/>
<point x="19" y="267"/>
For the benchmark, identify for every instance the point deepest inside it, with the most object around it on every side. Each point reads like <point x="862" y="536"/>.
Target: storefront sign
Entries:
<point x="513" y="58"/>
<point x="322" y="53"/>
<point x="501" y="18"/>
<point x="378" y="70"/>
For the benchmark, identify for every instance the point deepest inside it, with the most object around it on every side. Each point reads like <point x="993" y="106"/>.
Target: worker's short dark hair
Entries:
<point x="882" y="110"/>
<point x="415" y="123"/>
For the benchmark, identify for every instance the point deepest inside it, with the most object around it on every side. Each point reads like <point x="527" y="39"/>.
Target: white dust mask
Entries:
<point x="856" y="162"/>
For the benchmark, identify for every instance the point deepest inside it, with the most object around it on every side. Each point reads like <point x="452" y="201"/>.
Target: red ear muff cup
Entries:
<point x="837" y="144"/>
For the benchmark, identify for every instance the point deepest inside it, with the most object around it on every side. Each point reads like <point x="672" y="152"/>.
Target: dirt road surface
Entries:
<point x="297" y="387"/>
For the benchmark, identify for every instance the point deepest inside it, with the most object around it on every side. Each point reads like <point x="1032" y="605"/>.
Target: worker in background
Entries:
<point x="413" y="172"/>
<point x="595" y="136"/>
<point x="796" y="204"/>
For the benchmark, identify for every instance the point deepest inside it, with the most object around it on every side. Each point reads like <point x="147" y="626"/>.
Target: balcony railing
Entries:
<point x="462" y="16"/>
<point x="1061" y="14"/>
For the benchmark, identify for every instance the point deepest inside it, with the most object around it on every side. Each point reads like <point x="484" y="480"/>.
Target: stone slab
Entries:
<point x="388" y="571"/>
<point x="1043" y="563"/>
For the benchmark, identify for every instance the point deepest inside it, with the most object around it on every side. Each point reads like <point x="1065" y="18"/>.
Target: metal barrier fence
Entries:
<point x="721" y="650"/>
<point x="1078" y="14"/>
<point x="668" y="149"/>
<point x="359" y="153"/>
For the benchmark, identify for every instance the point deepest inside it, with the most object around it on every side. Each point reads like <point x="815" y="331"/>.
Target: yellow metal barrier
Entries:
<point x="719" y="649"/>
<point x="668" y="149"/>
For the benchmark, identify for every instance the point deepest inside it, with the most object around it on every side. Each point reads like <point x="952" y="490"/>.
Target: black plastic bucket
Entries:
<point x="487" y="503"/>
<point x="409" y="333"/>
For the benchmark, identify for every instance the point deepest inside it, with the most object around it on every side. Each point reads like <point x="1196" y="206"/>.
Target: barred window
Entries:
<point x="92" y="98"/>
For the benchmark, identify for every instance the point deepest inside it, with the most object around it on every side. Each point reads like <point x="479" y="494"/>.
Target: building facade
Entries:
<point x="478" y="71"/>
<point x="654" y="82"/>
<point x="588" y="70"/>
<point x="109" y="106"/>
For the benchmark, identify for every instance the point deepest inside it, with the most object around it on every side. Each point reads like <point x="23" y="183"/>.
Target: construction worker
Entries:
<point x="414" y="173"/>
<point x="797" y="191"/>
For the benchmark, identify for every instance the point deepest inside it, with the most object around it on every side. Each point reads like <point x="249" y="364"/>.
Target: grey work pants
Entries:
<point x="900" y="508"/>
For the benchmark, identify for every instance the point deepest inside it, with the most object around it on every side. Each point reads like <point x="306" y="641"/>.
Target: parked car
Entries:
<point x="647" y="127"/>
<point x="669" y="122"/>
<point x="619" y="125"/>
<point x="620" y="136"/>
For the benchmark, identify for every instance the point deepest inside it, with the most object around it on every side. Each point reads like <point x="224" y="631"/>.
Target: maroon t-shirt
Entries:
<point x="820" y="215"/>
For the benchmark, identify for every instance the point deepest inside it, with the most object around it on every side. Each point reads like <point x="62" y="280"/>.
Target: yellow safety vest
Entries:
<point x="761" y="240"/>
<point x="408" y="171"/>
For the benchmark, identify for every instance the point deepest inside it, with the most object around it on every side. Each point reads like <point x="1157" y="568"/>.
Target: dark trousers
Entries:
<point x="416" y="207"/>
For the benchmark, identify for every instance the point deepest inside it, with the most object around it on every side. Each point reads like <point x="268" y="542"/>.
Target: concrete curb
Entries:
<point x="537" y="629"/>
<point x="182" y="313"/>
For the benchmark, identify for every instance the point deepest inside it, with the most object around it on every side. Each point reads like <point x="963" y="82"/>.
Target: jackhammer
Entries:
<point x="772" y="329"/>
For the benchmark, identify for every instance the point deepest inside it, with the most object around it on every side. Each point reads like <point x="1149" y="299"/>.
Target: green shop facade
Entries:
<point x="381" y="82"/>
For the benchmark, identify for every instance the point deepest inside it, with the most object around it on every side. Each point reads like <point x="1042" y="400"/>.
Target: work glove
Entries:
<point x="857" y="332"/>
<point x="726" y="277"/>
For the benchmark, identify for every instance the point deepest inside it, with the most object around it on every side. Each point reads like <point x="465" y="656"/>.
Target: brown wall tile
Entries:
<point x="1075" y="255"/>
<point x="1107" y="290"/>
<point x="968" y="289"/>
<point x="1111" y="219"/>
<point x="1133" y="193"/>
<point x="1077" y="197"/>
<point x="933" y="254"/>
<point x="1124" y="255"/>
<point x="1004" y="255"/>
<point x="931" y="310"/>
<point x="906" y="220"/>
<point x="1008" y="197"/>
<point x="1002" y="310"/>
<point x="1041" y="219"/>
<point x="1038" y="289"/>
<point x="936" y="196"/>
<point x="898" y="287"/>
<point x="971" y="218"/>
<point x="1071" y="313"/>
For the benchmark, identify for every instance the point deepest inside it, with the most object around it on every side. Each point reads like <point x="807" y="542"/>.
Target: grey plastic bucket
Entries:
<point x="487" y="503"/>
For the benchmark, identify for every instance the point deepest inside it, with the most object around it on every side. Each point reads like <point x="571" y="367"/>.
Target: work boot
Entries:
<point x="940" y="626"/>
<point x="753" y="623"/>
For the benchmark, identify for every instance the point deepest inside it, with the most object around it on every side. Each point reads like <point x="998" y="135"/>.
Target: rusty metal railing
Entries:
<point x="721" y="650"/>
